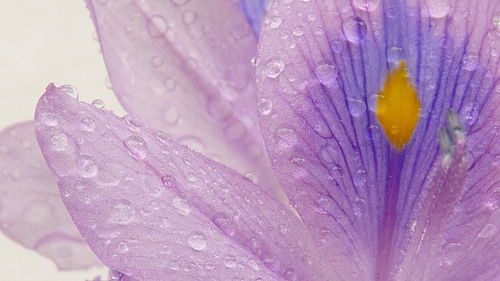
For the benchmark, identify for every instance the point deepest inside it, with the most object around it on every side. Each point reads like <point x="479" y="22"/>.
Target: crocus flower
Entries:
<point x="376" y="157"/>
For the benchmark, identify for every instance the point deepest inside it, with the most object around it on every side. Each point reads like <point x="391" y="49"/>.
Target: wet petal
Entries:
<point x="184" y="67"/>
<point x="254" y="11"/>
<point x="31" y="209"/>
<point x="322" y="71"/>
<point x="156" y="210"/>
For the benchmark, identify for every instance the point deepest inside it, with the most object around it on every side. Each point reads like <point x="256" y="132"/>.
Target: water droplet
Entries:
<point x="487" y="231"/>
<point x="356" y="107"/>
<point x="49" y="119"/>
<point x="470" y="62"/>
<point x="264" y="106"/>
<point x="69" y="90"/>
<point x="366" y="5"/>
<point x="255" y="61"/>
<point x="360" y="178"/>
<point x="169" y="181"/>
<point x="286" y="137"/>
<point x="394" y="55"/>
<point x="86" y="167"/>
<point x="327" y="74"/>
<point x="156" y="26"/>
<point x="290" y="275"/>
<point x="298" y="31"/>
<point x="136" y="147"/>
<point x="98" y="103"/>
<point x="225" y="222"/>
<point x="181" y="206"/>
<point x="59" y="142"/>
<point x="122" y="247"/>
<point x="470" y="115"/>
<point x="171" y="116"/>
<point x="169" y="84"/>
<point x="179" y="2"/>
<point x="438" y="8"/>
<point x="275" y="22"/>
<point x="274" y="68"/>
<point x="326" y="153"/>
<point x="122" y="213"/>
<point x="156" y="61"/>
<point x="189" y="17"/>
<point x="355" y="30"/>
<point x="230" y="261"/>
<point x="198" y="241"/>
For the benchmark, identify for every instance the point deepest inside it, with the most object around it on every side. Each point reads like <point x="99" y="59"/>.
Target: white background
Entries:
<point x="41" y="42"/>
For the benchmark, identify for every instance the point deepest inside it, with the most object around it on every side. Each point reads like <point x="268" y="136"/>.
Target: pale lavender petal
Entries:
<point x="156" y="210"/>
<point x="319" y="74"/>
<point x="254" y="11"/>
<point x="184" y="67"/>
<point x="31" y="209"/>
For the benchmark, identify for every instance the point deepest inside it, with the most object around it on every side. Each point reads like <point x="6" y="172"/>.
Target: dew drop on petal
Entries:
<point x="86" y="167"/>
<point x="275" y="22"/>
<point x="98" y="103"/>
<point x="122" y="213"/>
<point x="470" y="62"/>
<point x="360" y="178"/>
<point x="225" y="222"/>
<point x="327" y="74"/>
<point x="264" y="106"/>
<point x="487" y="231"/>
<point x="156" y="26"/>
<point x="179" y="2"/>
<point x="298" y="31"/>
<point x="181" y="206"/>
<point x="198" y="241"/>
<point x="230" y="261"/>
<point x="171" y="116"/>
<point x="70" y="90"/>
<point x="355" y="30"/>
<point x="356" y="107"/>
<point x="438" y="8"/>
<point x="59" y="142"/>
<point x="49" y="119"/>
<point x="168" y="181"/>
<point x="136" y="147"/>
<point x="189" y="17"/>
<point x="394" y="55"/>
<point x="274" y="68"/>
<point x="366" y="5"/>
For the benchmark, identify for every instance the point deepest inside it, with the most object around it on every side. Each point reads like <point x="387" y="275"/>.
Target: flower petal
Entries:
<point x="322" y="71"/>
<point x="183" y="67"/>
<point x="31" y="209"/>
<point x="157" y="210"/>
<point x="254" y="11"/>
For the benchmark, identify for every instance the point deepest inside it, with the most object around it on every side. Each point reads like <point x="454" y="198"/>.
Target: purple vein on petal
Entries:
<point x="158" y="210"/>
<point x="326" y="143"/>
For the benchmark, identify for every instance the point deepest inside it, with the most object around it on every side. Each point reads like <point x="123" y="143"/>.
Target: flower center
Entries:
<point x="398" y="107"/>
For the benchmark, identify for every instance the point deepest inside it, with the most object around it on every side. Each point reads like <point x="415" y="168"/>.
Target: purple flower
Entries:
<point x="362" y="144"/>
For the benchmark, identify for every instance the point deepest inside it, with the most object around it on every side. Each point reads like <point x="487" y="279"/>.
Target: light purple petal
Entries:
<point x="31" y="209"/>
<point x="184" y="67"/>
<point x="254" y="11"/>
<point x="156" y="210"/>
<point x="320" y="71"/>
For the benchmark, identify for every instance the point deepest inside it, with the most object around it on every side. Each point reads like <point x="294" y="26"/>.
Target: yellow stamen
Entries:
<point x="398" y="107"/>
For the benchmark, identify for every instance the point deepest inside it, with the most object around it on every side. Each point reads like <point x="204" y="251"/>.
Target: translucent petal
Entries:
<point x="31" y="209"/>
<point x="156" y="210"/>
<point x="184" y="67"/>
